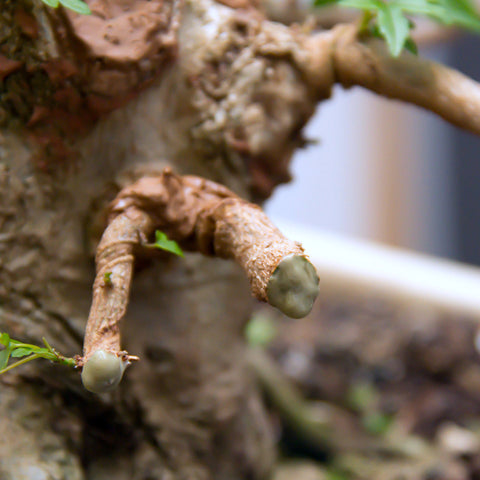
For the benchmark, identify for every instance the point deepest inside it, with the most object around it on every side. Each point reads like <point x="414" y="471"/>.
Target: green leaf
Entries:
<point x="411" y="46"/>
<point x="461" y="7"/>
<point x="51" y="3"/>
<point x="4" y="356"/>
<point x="429" y="8"/>
<point x="5" y="339"/>
<point x="163" y="243"/>
<point x="373" y="5"/>
<point x="386" y="18"/>
<point x="45" y="352"/>
<point x="107" y="279"/>
<point x="21" y="352"/>
<point x="394" y="26"/>
<point x="461" y="13"/>
<point x="77" y="6"/>
<point x="324" y="3"/>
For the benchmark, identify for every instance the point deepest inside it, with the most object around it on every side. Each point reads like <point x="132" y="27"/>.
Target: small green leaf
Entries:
<point x="107" y="279"/>
<point x="163" y="243"/>
<point x="426" y="8"/>
<point x="77" y="6"/>
<point x="42" y="351"/>
<point x="372" y="5"/>
<point x="16" y="343"/>
<point x="386" y="18"/>
<point x="5" y="339"/>
<point x="461" y="13"/>
<point x="411" y="46"/>
<point x="21" y="352"/>
<point x="4" y="356"/>
<point x="394" y="26"/>
<point x="51" y="3"/>
<point x="324" y="3"/>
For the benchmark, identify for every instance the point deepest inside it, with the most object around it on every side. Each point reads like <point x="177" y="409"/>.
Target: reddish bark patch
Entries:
<point x="126" y="31"/>
<point x="53" y="155"/>
<point x="69" y="99"/>
<point x="104" y="60"/>
<point x="39" y="113"/>
<point x="59" y="70"/>
<point x="8" y="66"/>
<point x="27" y="23"/>
<point x="100" y="105"/>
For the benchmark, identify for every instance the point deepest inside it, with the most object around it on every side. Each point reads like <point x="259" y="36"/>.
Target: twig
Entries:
<point x="21" y="362"/>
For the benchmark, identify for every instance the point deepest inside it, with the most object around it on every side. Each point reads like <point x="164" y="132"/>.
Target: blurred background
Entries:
<point x="390" y="172"/>
<point x="395" y="340"/>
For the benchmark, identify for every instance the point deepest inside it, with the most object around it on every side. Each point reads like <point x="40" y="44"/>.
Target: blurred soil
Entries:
<point x="393" y="389"/>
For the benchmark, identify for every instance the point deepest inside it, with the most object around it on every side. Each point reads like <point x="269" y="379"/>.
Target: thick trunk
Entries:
<point x="91" y="104"/>
<point x="212" y="106"/>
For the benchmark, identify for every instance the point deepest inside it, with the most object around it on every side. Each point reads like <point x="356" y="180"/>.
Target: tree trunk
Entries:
<point x="90" y="104"/>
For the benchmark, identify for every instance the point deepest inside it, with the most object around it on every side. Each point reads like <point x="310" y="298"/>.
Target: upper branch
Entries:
<point x="365" y="61"/>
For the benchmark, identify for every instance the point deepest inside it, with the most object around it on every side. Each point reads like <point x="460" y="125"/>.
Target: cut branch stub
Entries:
<point x="293" y="286"/>
<point x="277" y="268"/>
<point x="201" y="216"/>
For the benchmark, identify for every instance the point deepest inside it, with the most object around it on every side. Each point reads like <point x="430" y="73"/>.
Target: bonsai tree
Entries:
<point x="134" y="124"/>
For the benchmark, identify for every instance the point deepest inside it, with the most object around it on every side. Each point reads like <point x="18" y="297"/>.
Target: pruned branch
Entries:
<point x="202" y="216"/>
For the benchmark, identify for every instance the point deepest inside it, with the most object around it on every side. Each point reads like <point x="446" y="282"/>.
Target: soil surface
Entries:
<point x="396" y="389"/>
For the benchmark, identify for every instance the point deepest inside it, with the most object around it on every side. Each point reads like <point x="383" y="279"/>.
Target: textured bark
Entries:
<point x="219" y="109"/>
<point x="90" y="105"/>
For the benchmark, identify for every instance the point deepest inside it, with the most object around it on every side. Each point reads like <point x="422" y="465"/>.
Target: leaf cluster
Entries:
<point x="389" y="19"/>
<point x="76" y="5"/>
<point x="27" y="352"/>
